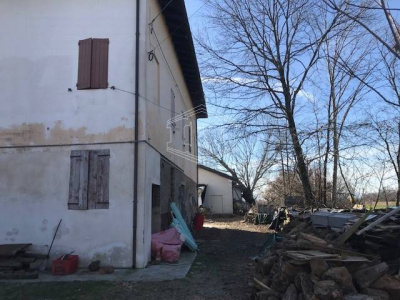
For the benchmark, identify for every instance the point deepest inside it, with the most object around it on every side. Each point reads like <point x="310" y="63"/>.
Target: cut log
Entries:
<point x="365" y="277"/>
<point x="318" y="266"/>
<point x="327" y="290"/>
<point x="304" y="285"/>
<point x="313" y="239"/>
<point x="379" y="294"/>
<point x="291" y="293"/>
<point x="342" y="277"/>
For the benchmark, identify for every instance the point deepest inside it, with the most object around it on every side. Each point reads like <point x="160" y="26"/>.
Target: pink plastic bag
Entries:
<point x="166" y="245"/>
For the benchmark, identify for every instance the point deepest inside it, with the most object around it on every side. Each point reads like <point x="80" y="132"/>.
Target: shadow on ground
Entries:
<point x="221" y="270"/>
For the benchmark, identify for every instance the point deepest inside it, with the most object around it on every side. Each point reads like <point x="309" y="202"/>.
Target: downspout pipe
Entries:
<point x="136" y="138"/>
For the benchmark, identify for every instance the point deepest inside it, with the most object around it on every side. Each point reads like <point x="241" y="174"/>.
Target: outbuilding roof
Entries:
<point x="177" y="21"/>
<point x="217" y="172"/>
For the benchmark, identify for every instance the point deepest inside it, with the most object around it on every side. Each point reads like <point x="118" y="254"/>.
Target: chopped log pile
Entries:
<point x="16" y="262"/>
<point x="361" y="262"/>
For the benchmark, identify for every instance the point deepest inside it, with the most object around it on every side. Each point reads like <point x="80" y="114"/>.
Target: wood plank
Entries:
<point x="309" y="254"/>
<point x="380" y="220"/>
<point x="344" y="237"/>
<point x="8" y="250"/>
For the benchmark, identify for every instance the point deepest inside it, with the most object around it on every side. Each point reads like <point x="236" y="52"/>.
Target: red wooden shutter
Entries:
<point x="98" y="195"/>
<point x="84" y="64"/>
<point x="99" y="73"/>
<point x="78" y="180"/>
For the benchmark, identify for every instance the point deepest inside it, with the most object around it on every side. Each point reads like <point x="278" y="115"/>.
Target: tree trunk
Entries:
<point x="301" y="165"/>
<point x="335" y="166"/>
<point x="398" y="166"/>
<point x="328" y="148"/>
<point x="335" y="152"/>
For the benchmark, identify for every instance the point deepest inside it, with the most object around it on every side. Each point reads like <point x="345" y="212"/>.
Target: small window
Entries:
<point x="89" y="179"/>
<point x="190" y="138"/>
<point x="93" y="64"/>
<point x="173" y="110"/>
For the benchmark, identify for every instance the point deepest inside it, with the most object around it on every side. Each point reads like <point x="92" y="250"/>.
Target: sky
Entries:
<point x="196" y="10"/>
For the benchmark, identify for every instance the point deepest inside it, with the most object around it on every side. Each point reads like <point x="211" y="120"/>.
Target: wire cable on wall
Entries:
<point x="144" y="98"/>
<point x="155" y="18"/>
<point x="166" y="61"/>
<point x="179" y="26"/>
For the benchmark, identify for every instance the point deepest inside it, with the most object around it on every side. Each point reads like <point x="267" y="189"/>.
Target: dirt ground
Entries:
<point x="222" y="270"/>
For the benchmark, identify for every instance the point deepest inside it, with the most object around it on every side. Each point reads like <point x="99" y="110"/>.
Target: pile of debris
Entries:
<point x="16" y="262"/>
<point x="360" y="262"/>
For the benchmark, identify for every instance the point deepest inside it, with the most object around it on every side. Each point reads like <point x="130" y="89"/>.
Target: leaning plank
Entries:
<point x="309" y="254"/>
<point x="344" y="237"/>
<point x="261" y="286"/>
<point x="380" y="220"/>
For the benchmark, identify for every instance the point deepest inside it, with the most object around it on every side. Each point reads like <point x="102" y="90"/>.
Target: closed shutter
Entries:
<point x="99" y="73"/>
<point x="99" y="179"/>
<point x="84" y="64"/>
<point x="78" y="180"/>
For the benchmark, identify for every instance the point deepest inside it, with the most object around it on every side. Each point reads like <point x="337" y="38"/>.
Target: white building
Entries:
<point x="219" y="190"/>
<point x="87" y="89"/>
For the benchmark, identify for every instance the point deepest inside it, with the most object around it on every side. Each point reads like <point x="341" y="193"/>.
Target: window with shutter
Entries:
<point x="98" y="179"/>
<point x="93" y="64"/>
<point x="89" y="179"/>
<point x="78" y="180"/>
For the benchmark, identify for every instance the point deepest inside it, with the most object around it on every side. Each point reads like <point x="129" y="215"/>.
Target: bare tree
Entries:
<point x="344" y="51"/>
<point x="246" y="158"/>
<point x="355" y="9"/>
<point x="266" y="51"/>
<point x="387" y="140"/>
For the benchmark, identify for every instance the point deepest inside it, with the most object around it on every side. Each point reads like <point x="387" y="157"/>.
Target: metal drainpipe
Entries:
<point x="136" y="138"/>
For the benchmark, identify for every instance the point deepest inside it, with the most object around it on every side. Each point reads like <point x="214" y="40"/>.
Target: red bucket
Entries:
<point x="198" y="221"/>
<point x="66" y="266"/>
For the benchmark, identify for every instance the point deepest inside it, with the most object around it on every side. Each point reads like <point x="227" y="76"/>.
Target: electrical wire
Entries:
<point x="179" y="26"/>
<point x="162" y="10"/>
<point x="166" y="61"/>
<point x="160" y="106"/>
<point x="144" y="98"/>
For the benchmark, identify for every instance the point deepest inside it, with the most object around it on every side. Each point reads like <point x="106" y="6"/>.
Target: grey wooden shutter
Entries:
<point x="98" y="195"/>
<point x="84" y="64"/>
<point x="99" y="73"/>
<point x="78" y="182"/>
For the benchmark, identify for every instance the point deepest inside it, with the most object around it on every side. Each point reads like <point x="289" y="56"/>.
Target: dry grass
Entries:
<point x="233" y="222"/>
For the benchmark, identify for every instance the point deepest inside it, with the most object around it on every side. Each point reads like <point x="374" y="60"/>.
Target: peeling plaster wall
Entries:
<point x="39" y="63"/>
<point x="217" y="186"/>
<point x="34" y="188"/>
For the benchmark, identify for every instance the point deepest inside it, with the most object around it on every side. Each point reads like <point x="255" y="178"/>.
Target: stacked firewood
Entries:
<point x="17" y="262"/>
<point x="362" y="262"/>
